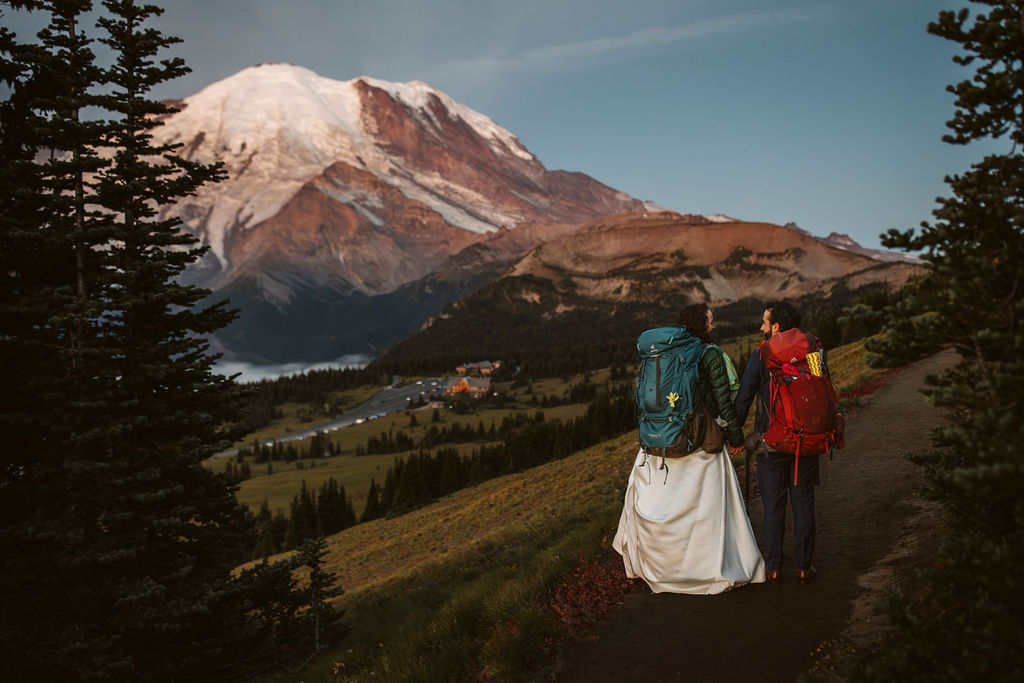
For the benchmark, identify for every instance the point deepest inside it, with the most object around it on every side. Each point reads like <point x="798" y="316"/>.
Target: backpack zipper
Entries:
<point x="657" y="381"/>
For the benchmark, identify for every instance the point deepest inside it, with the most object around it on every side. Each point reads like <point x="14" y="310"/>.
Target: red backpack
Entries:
<point x="803" y="414"/>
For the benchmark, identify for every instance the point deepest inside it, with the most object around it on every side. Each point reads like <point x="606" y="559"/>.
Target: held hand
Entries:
<point x="735" y="450"/>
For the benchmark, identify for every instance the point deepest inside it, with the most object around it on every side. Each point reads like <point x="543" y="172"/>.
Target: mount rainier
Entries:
<point x="340" y="192"/>
<point x="354" y="211"/>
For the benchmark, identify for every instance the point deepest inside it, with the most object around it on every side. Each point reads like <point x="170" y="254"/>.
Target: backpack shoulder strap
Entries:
<point x="730" y="368"/>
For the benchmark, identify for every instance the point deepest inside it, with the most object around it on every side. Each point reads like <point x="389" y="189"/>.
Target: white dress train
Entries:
<point x="687" y="530"/>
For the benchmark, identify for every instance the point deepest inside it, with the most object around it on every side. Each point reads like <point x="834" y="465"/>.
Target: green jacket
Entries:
<point x="715" y="388"/>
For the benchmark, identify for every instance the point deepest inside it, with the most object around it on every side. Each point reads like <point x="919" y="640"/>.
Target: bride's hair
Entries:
<point x="695" y="318"/>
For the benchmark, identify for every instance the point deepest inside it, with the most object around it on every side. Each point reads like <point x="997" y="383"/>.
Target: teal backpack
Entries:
<point x="664" y="388"/>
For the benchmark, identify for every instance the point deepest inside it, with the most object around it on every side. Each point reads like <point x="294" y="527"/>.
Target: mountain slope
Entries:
<point x="352" y="189"/>
<point x="616" y="276"/>
<point x="354" y="211"/>
<point x="367" y="164"/>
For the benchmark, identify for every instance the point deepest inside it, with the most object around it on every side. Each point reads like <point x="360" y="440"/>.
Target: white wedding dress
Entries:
<point x="687" y="530"/>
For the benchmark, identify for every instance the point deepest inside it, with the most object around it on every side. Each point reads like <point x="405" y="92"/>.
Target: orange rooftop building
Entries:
<point x="474" y="386"/>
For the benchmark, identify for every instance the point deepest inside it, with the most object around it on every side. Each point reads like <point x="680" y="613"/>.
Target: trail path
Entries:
<point x="871" y="531"/>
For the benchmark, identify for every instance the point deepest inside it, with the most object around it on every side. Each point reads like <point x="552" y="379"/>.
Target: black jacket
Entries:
<point x="755" y="382"/>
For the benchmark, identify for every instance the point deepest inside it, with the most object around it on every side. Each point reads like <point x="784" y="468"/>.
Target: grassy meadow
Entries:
<point x="296" y="416"/>
<point x="459" y="588"/>
<point x="354" y="473"/>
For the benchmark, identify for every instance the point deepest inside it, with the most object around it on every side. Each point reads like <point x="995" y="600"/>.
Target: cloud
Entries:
<point x="603" y="51"/>
<point x="250" y="372"/>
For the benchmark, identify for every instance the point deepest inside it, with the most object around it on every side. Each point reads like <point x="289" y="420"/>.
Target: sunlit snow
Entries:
<point x="276" y="127"/>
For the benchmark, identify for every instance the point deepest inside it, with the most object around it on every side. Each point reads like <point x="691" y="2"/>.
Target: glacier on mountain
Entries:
<point x="276" y="127"/>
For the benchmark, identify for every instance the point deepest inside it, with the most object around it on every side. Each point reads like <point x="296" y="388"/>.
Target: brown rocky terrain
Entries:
<point x="615" y="257"/>
<point x="610" y="277"/>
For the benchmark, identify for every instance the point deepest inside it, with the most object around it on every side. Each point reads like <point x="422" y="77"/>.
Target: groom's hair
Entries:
<point x="783" y="313"/>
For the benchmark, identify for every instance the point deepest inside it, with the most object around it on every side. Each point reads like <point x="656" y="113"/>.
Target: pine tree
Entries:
<point x="372" y="509"/>
<point x="304" y="522"/>
<point x="450" y="476"/>
<point x="320" y="589"/>
<point x="391" y="479"/>
<point x="349" y="517"/>
<point x="331" y="507"/>
<point x="266" y="542"/>
<point x="43" y="309"/>
<point x="116" y="545"/>
<point x="967" y="625"/>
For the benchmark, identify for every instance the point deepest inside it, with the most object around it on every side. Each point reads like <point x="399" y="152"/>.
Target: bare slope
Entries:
<point x="623" y="258"/>
<point x="617" y="275"/>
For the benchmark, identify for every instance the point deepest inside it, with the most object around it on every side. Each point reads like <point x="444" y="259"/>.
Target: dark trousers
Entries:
<point x="775" y="477"/>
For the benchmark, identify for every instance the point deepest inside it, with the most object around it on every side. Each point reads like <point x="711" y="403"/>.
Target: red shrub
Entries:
<point x="587" y="594"/>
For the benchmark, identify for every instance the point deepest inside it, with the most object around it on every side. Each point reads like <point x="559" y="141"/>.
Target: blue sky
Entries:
<point x="828" y="114"/>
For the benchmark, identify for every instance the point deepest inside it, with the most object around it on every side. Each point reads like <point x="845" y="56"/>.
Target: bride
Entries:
<point x="687" y="531"/>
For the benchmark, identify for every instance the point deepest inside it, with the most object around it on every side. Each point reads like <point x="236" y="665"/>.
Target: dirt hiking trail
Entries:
<point x="871" y="531"/>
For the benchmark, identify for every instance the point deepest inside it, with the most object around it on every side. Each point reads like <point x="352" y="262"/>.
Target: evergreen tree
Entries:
<point x="319" y="590"/>
<point x="280" y="528"/>
<point x="412" y="489"/>
<point x="116" y="545"/>
<point x="450" y="471"/>
<point x="967" y="625"/>
<point x="350" y="518"/>
<point x="303" y="523"/>
<point x="334" y="507"/>
<point x="265" y="542"/>
<point x="292" y="619"/>
<point x="372" y="509"/>
<point x="391" y="479"/>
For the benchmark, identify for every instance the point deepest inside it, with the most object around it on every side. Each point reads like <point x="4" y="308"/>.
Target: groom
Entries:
<point x="775" y="469"/>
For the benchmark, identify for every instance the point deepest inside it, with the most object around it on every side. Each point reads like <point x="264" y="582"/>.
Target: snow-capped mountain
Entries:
<point x="359" y="186"/>
<point x="355" y="210"/>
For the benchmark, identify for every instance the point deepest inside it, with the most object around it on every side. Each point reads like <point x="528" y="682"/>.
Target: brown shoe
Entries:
<point x="805" y="576"/>
<point x="774" y="576"/>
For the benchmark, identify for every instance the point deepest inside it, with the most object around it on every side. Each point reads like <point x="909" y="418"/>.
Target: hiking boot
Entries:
<point x="774" y="576"/>
<point x="805" y="576"/>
